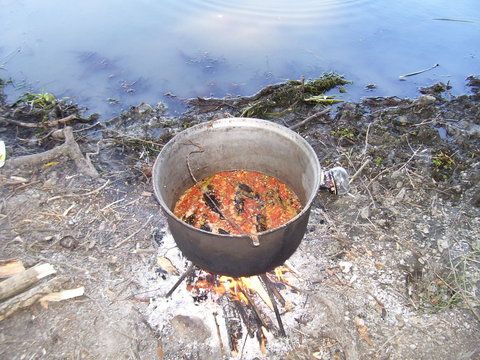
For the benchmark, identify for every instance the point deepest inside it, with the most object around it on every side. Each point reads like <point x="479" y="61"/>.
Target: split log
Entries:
<point x="30" y="297"/>
<point x="21" y="281"/>
<point x="10" y="267"/>
<point x="69" y="148"/>
<point x="263" y="319"/>
<point x="61" y="295"/>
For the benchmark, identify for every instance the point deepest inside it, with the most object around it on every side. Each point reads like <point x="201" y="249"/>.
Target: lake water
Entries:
<point x="108" y="54"/>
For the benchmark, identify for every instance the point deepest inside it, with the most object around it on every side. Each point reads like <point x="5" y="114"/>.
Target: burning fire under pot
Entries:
<point x="235" y="264"/>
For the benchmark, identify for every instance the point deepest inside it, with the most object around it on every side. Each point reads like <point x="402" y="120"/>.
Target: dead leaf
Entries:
<point x="62" y="295"/>
<point x="146" y="193"/>
<point x="379" y="265"/>
<point x="50" y="164"/>
<point x="167" y="265"/>
<point x="18" y="179"/>
<point x="10" y="267"/>
<point x="363" y="331"/>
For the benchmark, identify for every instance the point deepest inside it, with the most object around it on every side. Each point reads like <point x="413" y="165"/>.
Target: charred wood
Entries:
<point x="233" y="322"/>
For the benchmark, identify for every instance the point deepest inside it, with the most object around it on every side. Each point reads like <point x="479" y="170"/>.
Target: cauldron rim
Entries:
<point x="242" y="121"/>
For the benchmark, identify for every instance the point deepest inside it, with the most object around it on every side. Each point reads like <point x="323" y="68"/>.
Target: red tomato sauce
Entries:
<point x="238" y="202"/>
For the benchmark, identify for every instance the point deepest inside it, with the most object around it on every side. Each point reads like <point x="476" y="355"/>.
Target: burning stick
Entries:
<point x="218" y="334"/>
<point x="190" y="269"/>
<point x="268" y="285"/>
<point x="253" y="282"/>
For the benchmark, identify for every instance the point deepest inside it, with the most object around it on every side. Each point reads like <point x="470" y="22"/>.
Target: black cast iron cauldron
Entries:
<point x="233" y="144"/>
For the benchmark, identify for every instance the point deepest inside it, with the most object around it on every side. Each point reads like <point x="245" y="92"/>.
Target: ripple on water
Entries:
<point x="288" y="12"/>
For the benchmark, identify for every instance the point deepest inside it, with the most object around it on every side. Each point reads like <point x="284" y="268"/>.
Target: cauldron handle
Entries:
<point x="335" y="180"/>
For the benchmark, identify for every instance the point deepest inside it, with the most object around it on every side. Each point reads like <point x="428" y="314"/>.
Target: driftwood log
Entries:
<point x="69" y="148"/>
<point x="21" y="281"/>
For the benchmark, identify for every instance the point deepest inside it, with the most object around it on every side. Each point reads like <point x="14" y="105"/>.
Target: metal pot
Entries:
<point x="233" y="144"/>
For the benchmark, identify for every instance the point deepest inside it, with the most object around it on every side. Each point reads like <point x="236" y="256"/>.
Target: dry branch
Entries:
<point x="69" y="148"/>
<point x="17" y="283"/>
<point x="44" y="124"/>
<point x="359" y="171"/>
<point x="29" y="297"/>
<point x="310" y="118"/>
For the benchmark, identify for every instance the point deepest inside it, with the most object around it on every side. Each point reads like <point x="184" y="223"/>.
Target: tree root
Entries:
<point x="69" y="148"/>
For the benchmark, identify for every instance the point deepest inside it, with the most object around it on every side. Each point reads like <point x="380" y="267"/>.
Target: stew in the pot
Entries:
<point x="238" y="202"/>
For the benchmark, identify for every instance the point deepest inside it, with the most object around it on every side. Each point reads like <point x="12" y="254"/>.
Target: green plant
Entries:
<point x="44" y="101"/>
<point x="443" y="161"/>
<point x="378" y="161"/>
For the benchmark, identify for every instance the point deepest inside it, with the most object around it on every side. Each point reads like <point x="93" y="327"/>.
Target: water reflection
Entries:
<point x="109" y="55"/>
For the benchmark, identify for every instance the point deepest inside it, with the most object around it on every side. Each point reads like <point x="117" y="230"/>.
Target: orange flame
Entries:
<point x="237" y="289"/>
<point x="280" y="272"/>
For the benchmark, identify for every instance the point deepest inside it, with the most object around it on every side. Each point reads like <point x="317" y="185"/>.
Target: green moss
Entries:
<point x="345" y="133"/>
<point x="378" y="161"/>
<point x="442" y="166"/>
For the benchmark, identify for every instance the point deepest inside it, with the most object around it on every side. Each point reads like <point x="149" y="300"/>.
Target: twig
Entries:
<point x="410" y="159"/>
<point x="243" y="346"/>
<point x="121" y="136"/>
<point x="133" y="234"/>
<point x="455" y="20"/>
<point x="310" y="118"/>
<point x="111" y="204"/>
<point x="359" y="170"/>
<point x="27" y="185"/>
<point x="402" y="77"/>
<point x="462" y="294"/>
<point x="87" y="155"/>
<point x="366" y="140"/>
<point x="83" y="194"/>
